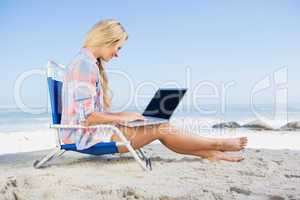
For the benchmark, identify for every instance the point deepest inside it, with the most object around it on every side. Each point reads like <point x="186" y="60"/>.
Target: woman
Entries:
<point x="86" y="100"/>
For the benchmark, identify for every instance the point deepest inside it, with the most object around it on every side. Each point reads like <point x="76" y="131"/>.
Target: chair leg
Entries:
<point x="131" y="150"/>
<point x="145" y="157"/>
<point x="55" y="153"/>
<point x="136" y="157"/>
<point x="61" y="152"/>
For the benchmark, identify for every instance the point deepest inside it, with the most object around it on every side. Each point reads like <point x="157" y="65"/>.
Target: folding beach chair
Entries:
<point x="54" y="79"/>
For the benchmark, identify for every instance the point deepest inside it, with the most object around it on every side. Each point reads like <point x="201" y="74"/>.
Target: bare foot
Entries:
<point x="218" y="155"/>
<point x="233" y="144"/>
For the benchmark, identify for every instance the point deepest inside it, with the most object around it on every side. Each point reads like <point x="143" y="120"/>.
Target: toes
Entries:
<point x="232" y="159"/>
<point x="238" y="159"/>
<point x="243" y="141"/>
<point x="235" y="144"/>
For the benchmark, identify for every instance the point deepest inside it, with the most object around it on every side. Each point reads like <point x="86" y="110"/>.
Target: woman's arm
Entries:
<point x="106" y="117"/>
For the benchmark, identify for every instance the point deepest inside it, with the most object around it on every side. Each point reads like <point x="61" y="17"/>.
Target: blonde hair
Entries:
<point x="105" y="33"/>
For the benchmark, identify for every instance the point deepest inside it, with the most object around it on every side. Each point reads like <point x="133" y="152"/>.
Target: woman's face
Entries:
<point x="109" y="52"/>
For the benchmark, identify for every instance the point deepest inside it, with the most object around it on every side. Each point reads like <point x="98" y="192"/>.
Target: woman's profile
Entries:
<point x="86" y="100"/>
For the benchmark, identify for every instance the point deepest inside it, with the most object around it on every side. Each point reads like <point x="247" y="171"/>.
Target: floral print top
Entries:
<point x="82" y="95"/>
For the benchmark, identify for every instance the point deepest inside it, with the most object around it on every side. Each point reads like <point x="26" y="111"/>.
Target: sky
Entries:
<point x="202" y="45"/>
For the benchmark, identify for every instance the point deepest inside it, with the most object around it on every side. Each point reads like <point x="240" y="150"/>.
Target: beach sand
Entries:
<point x="264" y="174"/>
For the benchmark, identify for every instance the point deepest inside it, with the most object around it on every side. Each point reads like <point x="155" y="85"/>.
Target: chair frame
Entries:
<point x="60" y="149"/>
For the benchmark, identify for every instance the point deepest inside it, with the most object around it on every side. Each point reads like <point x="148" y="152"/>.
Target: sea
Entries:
<point x="23" y="131"/>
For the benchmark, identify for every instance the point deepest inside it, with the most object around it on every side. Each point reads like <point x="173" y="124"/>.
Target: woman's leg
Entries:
<point x="140" y="140"/>
<point x="179" y="141"/>
<point x="209" y="154"/>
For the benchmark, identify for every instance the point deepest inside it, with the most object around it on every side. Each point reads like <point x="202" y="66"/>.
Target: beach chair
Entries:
<point x="54" y="79"/>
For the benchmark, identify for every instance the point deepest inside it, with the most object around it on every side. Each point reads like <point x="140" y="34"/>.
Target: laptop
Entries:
<point x="160" y="108"/>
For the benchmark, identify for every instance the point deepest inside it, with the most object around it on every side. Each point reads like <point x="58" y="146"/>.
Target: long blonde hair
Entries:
<point x="105" y="33"/>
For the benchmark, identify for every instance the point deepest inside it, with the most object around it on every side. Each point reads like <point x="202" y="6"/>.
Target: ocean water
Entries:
<point x="23" y="132"/>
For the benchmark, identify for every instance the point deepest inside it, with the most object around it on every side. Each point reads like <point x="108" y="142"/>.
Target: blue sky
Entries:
<point x="221" y="41"/>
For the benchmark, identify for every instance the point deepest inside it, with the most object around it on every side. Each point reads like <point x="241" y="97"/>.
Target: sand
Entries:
<point x="264" y="174"/>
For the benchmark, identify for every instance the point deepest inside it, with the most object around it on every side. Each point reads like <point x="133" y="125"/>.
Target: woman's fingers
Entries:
<point x="84" y="123"/>
<point x="132" y="116"/>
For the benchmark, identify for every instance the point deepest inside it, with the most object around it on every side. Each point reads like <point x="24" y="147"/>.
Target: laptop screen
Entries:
<point x="164" y="103"/>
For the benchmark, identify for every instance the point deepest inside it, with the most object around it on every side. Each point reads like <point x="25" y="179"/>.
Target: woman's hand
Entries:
<point x="130" y="116"/>
<point x="85" y="123"/>
<point x="103" y="118"/>
<point x="90" y="120"/>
